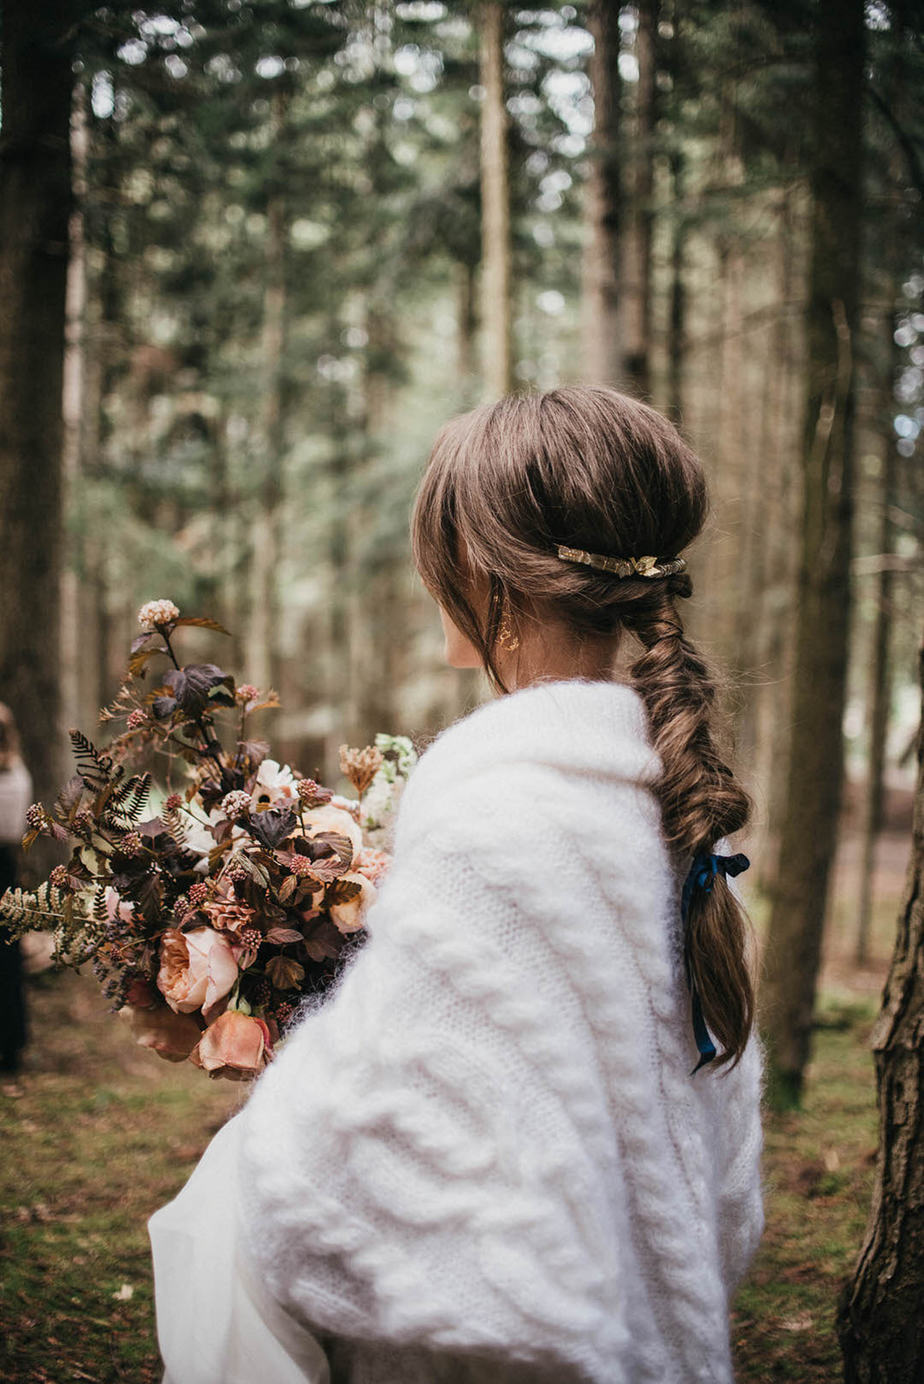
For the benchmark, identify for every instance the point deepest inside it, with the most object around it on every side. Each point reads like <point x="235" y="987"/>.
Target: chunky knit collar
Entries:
<point x="577" y="725"/>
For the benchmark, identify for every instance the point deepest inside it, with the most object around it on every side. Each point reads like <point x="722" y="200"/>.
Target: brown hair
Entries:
<point x="593" y="469"/>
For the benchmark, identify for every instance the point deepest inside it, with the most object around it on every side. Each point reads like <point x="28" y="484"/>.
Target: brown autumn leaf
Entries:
<point x="284" y="972"/>
<point x="287" y="888"/>
<point x="282" y="936"/>
<point x="342" y="891"/>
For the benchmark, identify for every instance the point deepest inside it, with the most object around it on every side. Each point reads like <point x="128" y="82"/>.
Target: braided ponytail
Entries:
<point x="591" y="469"/>
<point x="701" y="802"/>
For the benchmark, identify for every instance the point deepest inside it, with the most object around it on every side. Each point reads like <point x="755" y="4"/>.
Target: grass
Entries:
<point x="818" y="1175"/>
<point x="98" y="1133"/>
<point x="95" y="1136"/>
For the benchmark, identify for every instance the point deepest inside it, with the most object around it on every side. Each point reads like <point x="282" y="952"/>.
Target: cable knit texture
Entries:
<point x="487" y="1146"/>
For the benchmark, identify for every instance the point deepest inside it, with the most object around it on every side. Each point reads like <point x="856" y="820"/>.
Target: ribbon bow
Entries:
<point x="702" y="872"/>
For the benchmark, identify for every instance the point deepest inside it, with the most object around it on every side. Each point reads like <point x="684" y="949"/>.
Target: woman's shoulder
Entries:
<point x="564" y="729"/>
<point x="556" y="772"/>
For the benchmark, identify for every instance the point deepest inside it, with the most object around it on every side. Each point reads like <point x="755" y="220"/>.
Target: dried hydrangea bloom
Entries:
<point x="155" y="613"/>
<point x="360" y="766"/>
<point x="236" y="804"/>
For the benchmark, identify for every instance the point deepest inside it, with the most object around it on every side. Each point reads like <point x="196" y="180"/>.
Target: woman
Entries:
<point x="15" y="797"/>
<point x="507" y="1147"/>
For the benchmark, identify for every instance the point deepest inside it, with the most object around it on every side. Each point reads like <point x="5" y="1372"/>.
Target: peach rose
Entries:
<point x="236" y="1045"/>
<point x="372" y="863"/>
<point x="197" y="969"/>
<point x="172" y="1036"/>
<point x="333" y="819"/>
<point x="350" y="916"/>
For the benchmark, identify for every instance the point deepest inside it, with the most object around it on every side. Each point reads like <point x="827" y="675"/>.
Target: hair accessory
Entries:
<point x="625" y="566"/>
<point x="702" y="872"/>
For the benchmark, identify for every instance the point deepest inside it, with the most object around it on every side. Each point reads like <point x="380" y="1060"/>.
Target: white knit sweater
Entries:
<point x="487" y="1147"/>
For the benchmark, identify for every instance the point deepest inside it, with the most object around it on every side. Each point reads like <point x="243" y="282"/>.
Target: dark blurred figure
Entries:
<point x="15" y="797"/>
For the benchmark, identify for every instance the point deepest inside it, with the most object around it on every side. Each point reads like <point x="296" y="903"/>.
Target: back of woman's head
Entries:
<point x="591" y="469"/>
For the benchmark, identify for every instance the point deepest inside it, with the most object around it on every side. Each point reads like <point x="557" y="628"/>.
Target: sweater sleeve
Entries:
<point x="407" y="1173"/>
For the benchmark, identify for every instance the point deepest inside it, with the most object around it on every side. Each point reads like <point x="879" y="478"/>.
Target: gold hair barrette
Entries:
<point x="625" y="566"/>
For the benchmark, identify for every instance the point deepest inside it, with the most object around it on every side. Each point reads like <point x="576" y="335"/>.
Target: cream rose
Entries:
<point x="197" y="969"/>
<point x="350" y="916"/>
<point x="236" y="1046"/>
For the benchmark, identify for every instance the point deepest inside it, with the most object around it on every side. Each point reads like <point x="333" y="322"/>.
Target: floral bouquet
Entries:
<point x="211" y="920"/>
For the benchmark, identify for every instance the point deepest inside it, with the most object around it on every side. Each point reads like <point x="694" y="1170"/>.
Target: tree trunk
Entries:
<point x="809" y="833"/>
<point x="466" y="325"/>
<point x="879" y="1323"/>
<point x="782" y="384"/>
<point x="35" y="199"/>
<point x="677" y="327"/>
<point x="495" y="208"/>
<point x="263" y="662"/>
<point x="73" y="630"/>
<point x="880" y="683"/>
<point x="602" y="202"/>
<point x="635" y="268"/>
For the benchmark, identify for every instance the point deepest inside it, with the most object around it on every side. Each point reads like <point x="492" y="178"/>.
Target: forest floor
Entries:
<point x="96" y="1134"/>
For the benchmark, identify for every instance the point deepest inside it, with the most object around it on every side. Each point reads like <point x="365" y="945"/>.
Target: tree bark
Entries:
<point x="677" y="326"/>
<point x="880" y="683"/>
<point x="496" y="309"/>
<point x="262" y="653"/>
<point x="880" y="1326"/>
<point x="635" y="268"/>
<point x="35" y="201"/>
<point x="602" y="203"/>
<point x="466" y="320"/>
<point x="809" y="832"/>
<point x="73" y="631"/>
<point x="783" y="501"/>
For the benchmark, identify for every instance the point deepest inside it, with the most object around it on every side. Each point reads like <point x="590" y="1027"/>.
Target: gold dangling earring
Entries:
<point x="506" y="638"/>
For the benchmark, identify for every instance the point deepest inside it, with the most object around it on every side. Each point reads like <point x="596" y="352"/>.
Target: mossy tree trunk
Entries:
<point x="880" y="1324"/>
<point x="809" y="830"/>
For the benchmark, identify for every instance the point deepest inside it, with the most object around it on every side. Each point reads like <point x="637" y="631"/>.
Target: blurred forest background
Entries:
<point x="253" y="253"/>
<point x="263" y="250"/>
<point x="284" y="214"/>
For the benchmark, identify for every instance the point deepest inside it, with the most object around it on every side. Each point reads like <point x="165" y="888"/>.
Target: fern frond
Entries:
<point x="35" y="910"/>
<point x="95" y="768"/>
<point x="127" y="802"/>
<point x="174" y="821"/>
<point x="99" y="911"/>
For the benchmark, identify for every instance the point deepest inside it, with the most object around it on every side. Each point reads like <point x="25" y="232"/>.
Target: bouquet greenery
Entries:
<point x="210" y="921"/>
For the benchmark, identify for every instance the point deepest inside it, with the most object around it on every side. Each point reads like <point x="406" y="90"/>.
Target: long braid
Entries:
<point x="701" y="802"/>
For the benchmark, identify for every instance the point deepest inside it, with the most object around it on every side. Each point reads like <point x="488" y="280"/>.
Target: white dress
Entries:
<point x="485" y="1158"/>
<point x="214" y="1322"/>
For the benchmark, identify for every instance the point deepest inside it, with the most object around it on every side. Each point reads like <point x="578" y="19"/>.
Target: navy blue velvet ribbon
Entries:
<point x="702" y="872"/>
